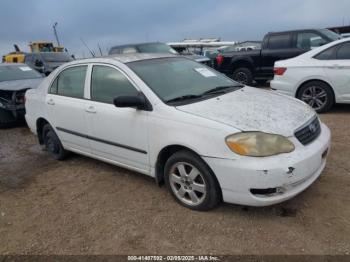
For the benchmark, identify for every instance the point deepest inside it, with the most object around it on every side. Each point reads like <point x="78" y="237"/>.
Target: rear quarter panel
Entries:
<point x="35" y="104"/>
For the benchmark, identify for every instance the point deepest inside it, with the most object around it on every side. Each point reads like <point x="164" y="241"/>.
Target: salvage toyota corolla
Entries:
<point x="207" y="137"/>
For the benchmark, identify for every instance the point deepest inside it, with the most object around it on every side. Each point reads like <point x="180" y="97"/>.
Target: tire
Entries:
<point x="199" y="191"/>
<point x="243" y="75"/>
<point x="53" y="144"/>
<point x="318" y="95"/>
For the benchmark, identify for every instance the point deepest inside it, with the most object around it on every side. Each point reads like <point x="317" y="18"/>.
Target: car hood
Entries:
<point x="250" y="109"/>
<point x="16" y="85"/>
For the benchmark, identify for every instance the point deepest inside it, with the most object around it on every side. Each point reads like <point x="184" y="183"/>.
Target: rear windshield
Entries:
<point x="56" y="57"/>
<point x="17" y="72"/>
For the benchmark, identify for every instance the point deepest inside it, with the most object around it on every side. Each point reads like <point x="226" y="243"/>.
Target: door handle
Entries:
<point x="91" y="110"/>
<point x="50" y="102"/>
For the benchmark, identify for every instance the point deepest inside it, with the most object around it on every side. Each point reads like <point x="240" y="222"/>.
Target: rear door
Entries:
<point x="277" y="47"/>
<point x="66" y="103"/>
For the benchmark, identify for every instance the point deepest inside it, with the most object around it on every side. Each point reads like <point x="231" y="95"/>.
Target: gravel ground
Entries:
<point x="83" y="206"/>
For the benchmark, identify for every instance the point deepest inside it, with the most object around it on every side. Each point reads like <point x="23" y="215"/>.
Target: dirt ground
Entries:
<point x="83" y="206"/>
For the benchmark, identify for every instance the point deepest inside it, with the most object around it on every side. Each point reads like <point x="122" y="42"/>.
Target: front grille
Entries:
<point x="308" y="132"/>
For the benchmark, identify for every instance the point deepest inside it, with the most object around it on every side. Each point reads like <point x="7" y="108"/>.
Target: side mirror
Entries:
<point x="139" y="102"/>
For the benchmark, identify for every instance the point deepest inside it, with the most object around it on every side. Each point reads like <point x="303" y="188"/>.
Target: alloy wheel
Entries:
<point x="187" y="183"/>
<point x="315" y="96"/>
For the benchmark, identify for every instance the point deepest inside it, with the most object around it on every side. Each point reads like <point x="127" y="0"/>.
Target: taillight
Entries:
<point x="219" y="59"/>
<point x="279" y="70"/>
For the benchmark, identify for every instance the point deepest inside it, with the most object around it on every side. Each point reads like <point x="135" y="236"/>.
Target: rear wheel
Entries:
<point x="53" y="144"/>
<point x="318" y="95"/>
<point x="191" y="182"/>
<point x="243" y="75"/>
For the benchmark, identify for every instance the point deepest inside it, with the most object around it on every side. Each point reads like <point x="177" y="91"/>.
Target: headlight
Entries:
<point x="259" y="144"/>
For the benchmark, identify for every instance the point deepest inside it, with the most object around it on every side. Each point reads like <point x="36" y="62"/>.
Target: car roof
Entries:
<point x="124" y="58"/>
<point x="294" y="31"/>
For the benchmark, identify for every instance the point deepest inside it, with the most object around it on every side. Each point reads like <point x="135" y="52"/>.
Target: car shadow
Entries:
<point x="339" y="108"/>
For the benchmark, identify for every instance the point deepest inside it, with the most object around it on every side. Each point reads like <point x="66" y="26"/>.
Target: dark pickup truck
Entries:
<point x="257" y="65"/>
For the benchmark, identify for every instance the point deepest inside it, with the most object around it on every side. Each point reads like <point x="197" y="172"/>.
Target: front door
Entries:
<point x="117" y="134"/>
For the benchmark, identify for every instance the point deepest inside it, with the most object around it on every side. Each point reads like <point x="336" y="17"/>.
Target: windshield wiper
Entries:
<point x="183" y="98"/>
<point x="221" y="89"/>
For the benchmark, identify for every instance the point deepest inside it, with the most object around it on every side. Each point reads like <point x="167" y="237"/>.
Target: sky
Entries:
<point x="112" y="22"/>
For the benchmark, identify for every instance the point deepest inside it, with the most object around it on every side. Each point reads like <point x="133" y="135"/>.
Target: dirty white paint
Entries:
<point x="201" y="127"/>
<point x="251" y="109"/>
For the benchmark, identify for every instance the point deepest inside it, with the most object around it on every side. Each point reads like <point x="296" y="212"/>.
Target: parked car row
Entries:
<point x="206" y="136"/>
<point x="246" y="66"/>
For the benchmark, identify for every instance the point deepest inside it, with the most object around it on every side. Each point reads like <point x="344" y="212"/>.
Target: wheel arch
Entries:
<point x="40" y="123"/>
<point x="241" y="62"/>
<point x="167" y="152"/>
<point x="312" y="80"/>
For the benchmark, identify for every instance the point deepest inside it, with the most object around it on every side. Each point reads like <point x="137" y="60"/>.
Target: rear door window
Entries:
<point x="70" y="82"/>
<point x="280" y="41"/>
<point x="343" y="52"/>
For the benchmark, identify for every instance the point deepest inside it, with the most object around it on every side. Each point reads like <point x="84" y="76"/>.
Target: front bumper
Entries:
<point x="289" y="173"/>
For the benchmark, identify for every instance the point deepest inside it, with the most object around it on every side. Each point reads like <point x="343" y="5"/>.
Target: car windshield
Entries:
<point x="330" y="34"/>
<point x="156" y="48"/>
<point x="56" y="57"/>
<point x="17" y="72"/>
<point x="176" y="77"/>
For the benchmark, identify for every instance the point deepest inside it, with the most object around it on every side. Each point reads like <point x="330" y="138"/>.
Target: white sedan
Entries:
<point x="320" y="77"/>
<point x="207" y="137"/>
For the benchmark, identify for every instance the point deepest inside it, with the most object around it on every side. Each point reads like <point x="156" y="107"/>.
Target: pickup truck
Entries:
<point x="257" y="65"/>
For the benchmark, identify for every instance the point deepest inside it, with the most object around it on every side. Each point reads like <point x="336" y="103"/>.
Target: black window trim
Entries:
<point x="335" y="52"/>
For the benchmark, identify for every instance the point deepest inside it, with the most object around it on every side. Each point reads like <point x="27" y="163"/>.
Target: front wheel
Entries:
<point x="191" y="182"/>
<point x="318" y="95"/>
<point x="53" y="144"/>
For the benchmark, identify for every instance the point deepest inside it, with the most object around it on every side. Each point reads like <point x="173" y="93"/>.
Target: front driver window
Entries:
<point x="309" y="41"/>
<point x="71" y="82"/>
<point x="107" y="83"/>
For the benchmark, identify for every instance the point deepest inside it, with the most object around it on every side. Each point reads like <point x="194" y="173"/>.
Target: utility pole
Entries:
<point x="55" y="32"/>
